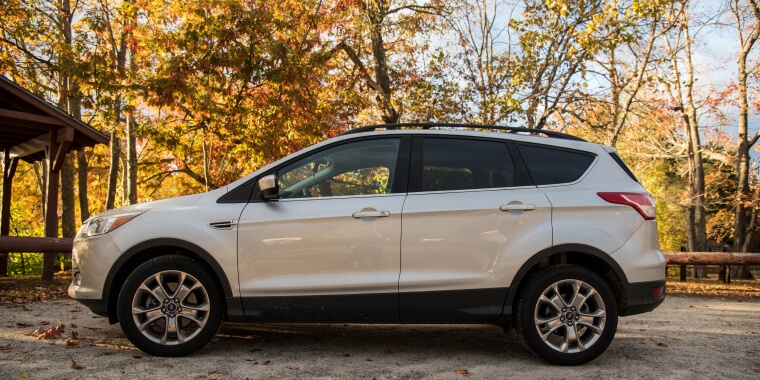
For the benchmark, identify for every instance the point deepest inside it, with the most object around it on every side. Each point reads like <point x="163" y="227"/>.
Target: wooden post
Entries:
<point x="56" y="154"/>
<point x="9" y="170"/>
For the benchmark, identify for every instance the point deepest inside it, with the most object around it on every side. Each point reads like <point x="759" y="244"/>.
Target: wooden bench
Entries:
<point x="722" y="259"/>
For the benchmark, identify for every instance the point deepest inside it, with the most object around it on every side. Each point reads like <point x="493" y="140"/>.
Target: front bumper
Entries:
<point x="91" y="260"/>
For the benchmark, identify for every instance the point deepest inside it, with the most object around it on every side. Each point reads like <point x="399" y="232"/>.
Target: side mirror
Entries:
<point x="268" y="187"/>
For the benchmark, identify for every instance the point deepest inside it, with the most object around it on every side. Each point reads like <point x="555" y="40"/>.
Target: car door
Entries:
<point x="470" y="219"/>
<point x="328" y="249"/>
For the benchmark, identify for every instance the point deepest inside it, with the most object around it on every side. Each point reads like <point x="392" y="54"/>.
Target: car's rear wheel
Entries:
<point x="567" y="315"/>
<point x="170" y="306"/>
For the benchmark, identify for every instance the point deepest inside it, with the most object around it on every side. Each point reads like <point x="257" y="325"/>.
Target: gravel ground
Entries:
<point x="684" y="338"/>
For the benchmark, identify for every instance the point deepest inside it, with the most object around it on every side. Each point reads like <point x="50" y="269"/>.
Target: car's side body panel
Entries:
<point x="462" y="240"/>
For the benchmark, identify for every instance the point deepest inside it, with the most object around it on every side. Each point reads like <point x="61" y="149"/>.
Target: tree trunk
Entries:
<point x="377" y="10"/>
<point x="82" y="168"/>
<point x="682" y="95"/>
<point x="744" y="202"/>
<point x="68" y="214"/>
<point x="113" y="170"/>
<point x="131" y="160"/>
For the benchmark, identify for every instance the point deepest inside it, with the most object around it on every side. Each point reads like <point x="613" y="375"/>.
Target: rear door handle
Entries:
<point x="518" y="207"/>
<point x="371" y="214"/>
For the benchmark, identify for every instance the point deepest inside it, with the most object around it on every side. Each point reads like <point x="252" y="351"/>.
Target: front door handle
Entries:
<point x="371" y="214"/>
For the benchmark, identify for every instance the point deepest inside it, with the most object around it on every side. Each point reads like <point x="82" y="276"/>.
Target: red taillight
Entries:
<point x="642" y="202"/>
<point x="658" y="291"/>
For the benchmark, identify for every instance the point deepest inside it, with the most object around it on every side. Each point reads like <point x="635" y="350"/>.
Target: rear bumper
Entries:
<point x="640" y="297"/>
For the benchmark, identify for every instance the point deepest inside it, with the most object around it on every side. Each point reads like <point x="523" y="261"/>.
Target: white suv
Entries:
<point x="403" y="223"/>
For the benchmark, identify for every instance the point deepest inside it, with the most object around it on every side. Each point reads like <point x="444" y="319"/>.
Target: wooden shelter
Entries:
<point x="32" y="129"/>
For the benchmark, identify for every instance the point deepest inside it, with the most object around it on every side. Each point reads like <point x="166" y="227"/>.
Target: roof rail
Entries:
<point x="430" y="125"/>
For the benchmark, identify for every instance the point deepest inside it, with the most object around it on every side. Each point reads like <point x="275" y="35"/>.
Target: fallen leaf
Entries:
<point x="26" y="308"/>
<point x="463" y="372"/>
<point x="630" y="356"/>
<point x="73" y="325"/>
<point x="22" y="324"/>
<point x="76" y="309"/>
<point x="25" y="375"/>
<point x="5" y="348"/>
<point x="76" y="365"/>
<point x="370" y="360"/>
<point x="51" y="333"/>
<point x="347" y="355"/>
<point x="72" y="342"/>
<point x="294" y="368"/>
<point x="266" y="362"/>
<point x="662" y="345"/>
<point x="136" y="357"/>
<point x="44" y="323"/>
<point x="252" y="360"/>
<point x="750" y="332"/>
<point x="219" y="372"/>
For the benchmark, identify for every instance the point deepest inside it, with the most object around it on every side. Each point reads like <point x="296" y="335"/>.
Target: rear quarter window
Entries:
<point x="551" y="166"/>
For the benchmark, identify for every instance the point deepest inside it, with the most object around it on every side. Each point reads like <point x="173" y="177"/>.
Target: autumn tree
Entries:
<point x="484" y="59"/>
<point x="375" y="34"/>
<point x="747" y="23"/>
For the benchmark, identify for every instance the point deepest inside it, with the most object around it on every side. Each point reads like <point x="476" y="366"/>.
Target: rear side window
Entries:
<point x="452" y="164"/>
<point x="550" y="166"/>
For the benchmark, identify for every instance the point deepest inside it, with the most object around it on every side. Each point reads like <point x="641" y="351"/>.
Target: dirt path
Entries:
<point x="684" y="338"/>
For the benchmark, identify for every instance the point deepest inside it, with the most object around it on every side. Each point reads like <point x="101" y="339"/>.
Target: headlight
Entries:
<point x="99" y="225"/>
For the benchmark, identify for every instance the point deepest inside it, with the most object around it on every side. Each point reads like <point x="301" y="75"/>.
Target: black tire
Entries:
<point x="564" y="332"/>
<point x="181" y="323"/>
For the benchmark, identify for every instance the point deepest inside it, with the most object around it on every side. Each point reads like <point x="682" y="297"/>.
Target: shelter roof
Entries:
<point x="26" y="121"/>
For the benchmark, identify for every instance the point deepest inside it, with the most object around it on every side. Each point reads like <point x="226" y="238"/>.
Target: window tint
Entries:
<point x="359" y="168"/>
<point x="549" y="166"/>
<point x="452" y="164"/>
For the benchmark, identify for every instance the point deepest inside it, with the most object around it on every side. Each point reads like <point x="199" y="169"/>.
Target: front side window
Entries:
<point x="357" y="168"/>
<point x="453" y="164"/>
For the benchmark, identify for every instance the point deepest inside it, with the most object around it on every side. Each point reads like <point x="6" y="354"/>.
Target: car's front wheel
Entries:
<point x="170" y="306"/>
<point x="567" y="315"/>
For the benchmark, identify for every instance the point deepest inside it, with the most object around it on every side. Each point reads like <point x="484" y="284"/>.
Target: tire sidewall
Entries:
<point x="150" y="268"/>
<point x="526" y="309"/>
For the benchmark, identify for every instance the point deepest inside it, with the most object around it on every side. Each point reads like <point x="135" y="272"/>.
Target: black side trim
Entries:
<point x="235" y="311"/>
<point x="454" y="306"/>
<point x="640" y="298"/>
<point x="240" y="194"/>
<point x="580" y="248"/>
<point x="326" y="308"/>
<point x="521" y="170"/>
<point x="97" y="306"/>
